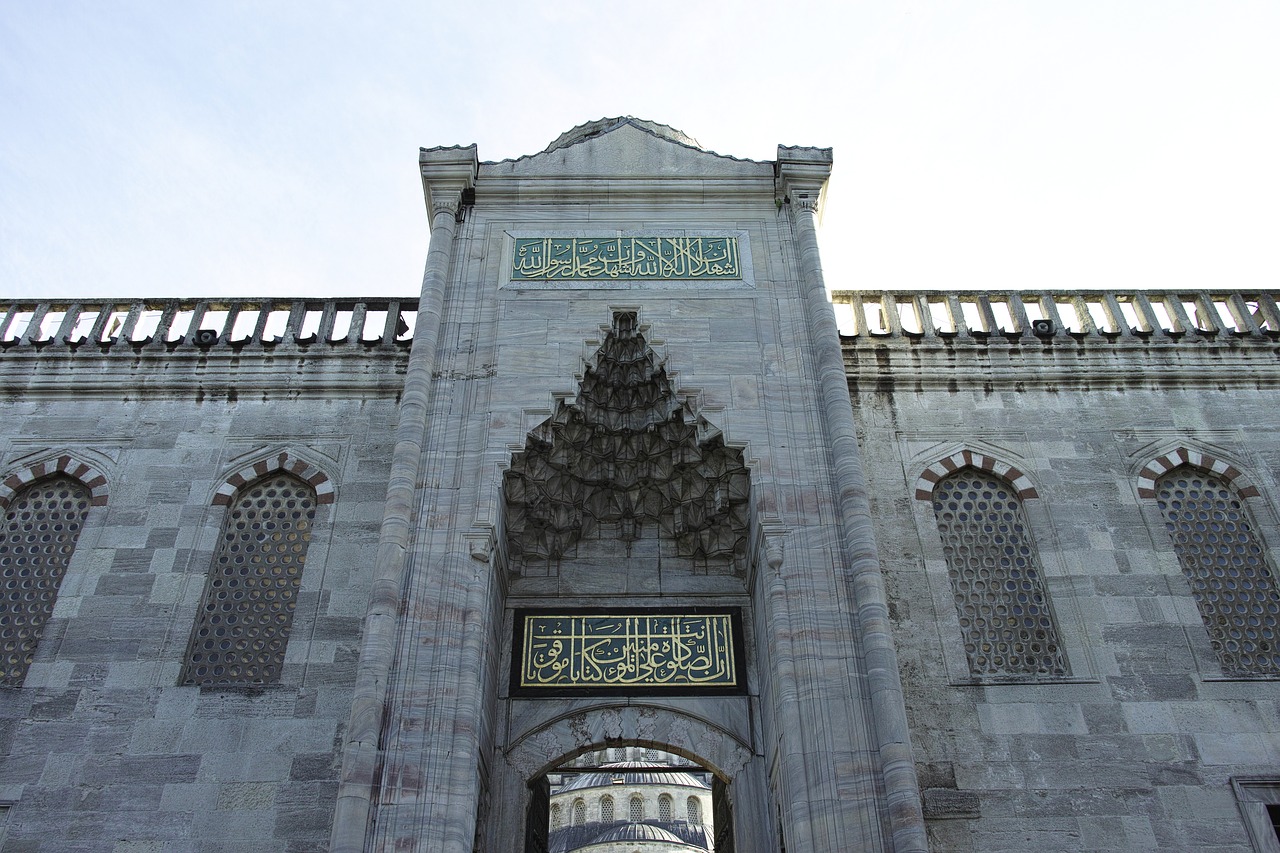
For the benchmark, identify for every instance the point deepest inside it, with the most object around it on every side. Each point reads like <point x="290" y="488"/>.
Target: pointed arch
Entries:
<point x="62" y="462"/>
<point x="246" y="613"/>
<point x="38" y="535"/>
<point x="931" y="475"/>
<point x="283" y="461"/>
<point x="1166" y="462"/>
<point x="1222" y="556"/>
<point x="997" y="583"/>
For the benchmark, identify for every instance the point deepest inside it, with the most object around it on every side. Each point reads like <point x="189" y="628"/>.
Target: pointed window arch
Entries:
<point x="243" y="625"/>
<point x="41" y="526"/>
<point x="694" y="809"/>
<point x="579" y="812"/>
<point x="636" y="811"/>
<point x="606" y="809"/>
<point x="1223" y="559"/>
<point x="664" y="807"/>
<point x="996" y="580"/>
<point x="556" y="817"/>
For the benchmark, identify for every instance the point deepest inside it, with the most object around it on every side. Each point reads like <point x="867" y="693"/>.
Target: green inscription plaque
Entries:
<point x="625" y="651"/>
<point x="607" y="258"/>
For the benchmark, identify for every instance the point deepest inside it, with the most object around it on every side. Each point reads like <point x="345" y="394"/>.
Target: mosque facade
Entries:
<point x="628" y="535"/>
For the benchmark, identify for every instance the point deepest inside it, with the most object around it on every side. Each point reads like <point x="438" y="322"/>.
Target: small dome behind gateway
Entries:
<point x="604" y="125"/>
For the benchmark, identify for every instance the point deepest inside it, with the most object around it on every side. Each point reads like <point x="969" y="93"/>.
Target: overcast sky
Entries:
<point x="270" y="148"/>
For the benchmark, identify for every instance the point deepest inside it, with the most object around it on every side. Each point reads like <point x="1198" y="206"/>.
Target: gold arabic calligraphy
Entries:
<point x="603" y="258"/>
<point x="613" y="651"/>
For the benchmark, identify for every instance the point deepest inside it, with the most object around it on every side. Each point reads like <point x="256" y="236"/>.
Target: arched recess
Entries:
<point x="561" y="740"/>
<point x="997" y="579"/>
<point x="43" y="509"/>
<point x="285" y="461"/>
<point x="58" y="463"/>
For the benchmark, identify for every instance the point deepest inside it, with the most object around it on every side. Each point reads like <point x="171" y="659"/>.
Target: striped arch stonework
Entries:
<point x="93" y="479"/>
<point x="1156" y="468"/>
<point x="305" y="471"/>
<point x="968" y="459"/>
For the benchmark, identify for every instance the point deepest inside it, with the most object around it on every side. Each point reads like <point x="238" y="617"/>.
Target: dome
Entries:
<point x="604" y="125"/>
<point x="639" y="832"/>
<point x="646" y="776"/>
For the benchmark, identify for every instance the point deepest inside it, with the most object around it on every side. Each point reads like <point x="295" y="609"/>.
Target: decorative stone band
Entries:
<point x="1183" y="456"/>
<point x="281" y="462"/>
<point x="92" y="478"/>
<point x="968" y="459"/>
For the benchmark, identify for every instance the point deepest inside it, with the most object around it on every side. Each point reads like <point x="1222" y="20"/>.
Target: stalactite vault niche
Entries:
<point x="624" y="466"/>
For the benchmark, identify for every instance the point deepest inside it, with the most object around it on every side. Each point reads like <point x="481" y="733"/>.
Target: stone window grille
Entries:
<point x="694" y="808"/>
<point x="606" y="809"/>
<point x="1224" y="562"/>
<point x="579" y="812"/>
<point x="637" y="809"/>
<point x="555" y="816"/>
<point x="996" y="582"/>
<point x="41" y="526"/>
<point x="243" y="625"/>
<point x="664" y="808"/>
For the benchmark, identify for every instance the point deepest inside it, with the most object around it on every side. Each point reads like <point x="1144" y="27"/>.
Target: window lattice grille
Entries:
<point x="664" y="808"/>
<point x="579" y="812"/>
<point x="1224" y="563"/>
<point x="637" y="810"/>
<point x="243" y="625"/>
<point x="999" y="592"/>
<point x="694" y="808"/>
<point x="40" y="530"/>
<point x="606" y="809"/>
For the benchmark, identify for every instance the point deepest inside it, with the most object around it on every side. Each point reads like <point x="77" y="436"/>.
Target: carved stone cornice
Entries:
<point x="446" y="173"/>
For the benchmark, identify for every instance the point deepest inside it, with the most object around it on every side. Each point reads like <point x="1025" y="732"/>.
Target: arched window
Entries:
<point x="579" y="812"/>
<point x="694" y="808"/>
<point x="606" y="809"/>
<point x="996" y="581"/>
<point x="1224" y="562"/>
<point x="636" y="809"/>
<point x="664" y="807"/>
<point x="243" y="625"/>
<point x="39" y="533"/>
<point x="556" y="817"/>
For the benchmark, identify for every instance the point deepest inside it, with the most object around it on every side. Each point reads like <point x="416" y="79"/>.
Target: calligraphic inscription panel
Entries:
<point x="636" y="257"/>
<point x="631" y="651"/>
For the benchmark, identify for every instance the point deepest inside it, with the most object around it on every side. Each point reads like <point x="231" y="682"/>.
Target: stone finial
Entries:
<point x="774" y="550"/>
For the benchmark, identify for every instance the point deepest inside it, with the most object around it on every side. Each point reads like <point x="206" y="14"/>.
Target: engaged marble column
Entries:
<point x="445" y="176"/>
<point x="803" y="172"/>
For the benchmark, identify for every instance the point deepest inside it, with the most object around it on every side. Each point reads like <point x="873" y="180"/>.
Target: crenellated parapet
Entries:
<point x="173" y="324"/>
<point x="207" y="348"/>
<point x="1049" y="316"/>
<point x="1079" y="339"/>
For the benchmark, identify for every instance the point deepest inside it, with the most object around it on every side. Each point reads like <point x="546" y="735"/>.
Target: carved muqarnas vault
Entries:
<point x="627" y="462"/>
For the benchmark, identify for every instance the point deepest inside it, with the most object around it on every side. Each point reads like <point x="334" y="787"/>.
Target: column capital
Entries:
<point x="446" y="173"/>
<point x="801" y="175"/>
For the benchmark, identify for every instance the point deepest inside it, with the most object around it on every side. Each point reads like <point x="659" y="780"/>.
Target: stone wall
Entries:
<point x="102" y="750"/>
<point x="1136" y="747"/>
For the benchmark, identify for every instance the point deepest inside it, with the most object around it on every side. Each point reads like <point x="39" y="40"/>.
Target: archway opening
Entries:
<point x="632" y="798"/>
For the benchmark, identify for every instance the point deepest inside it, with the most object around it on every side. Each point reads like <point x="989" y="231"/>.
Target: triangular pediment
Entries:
<point x="625" y="147"/>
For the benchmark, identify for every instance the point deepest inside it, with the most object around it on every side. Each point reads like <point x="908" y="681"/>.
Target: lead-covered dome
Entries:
<point x="604" y="125"/>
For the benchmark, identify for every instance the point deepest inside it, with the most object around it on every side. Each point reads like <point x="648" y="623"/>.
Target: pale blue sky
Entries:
<point x="270" y="148"/>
